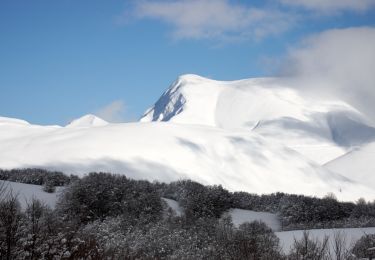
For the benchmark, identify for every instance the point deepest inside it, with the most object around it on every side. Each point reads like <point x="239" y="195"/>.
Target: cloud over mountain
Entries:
<point x="113" y="112"/>
<point x="337" y="62"/>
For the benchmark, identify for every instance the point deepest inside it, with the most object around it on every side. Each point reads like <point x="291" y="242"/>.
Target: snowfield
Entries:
<point x="239" y="160"/>
<point x="351" y="235"/>
<point x="240" y="216"/>
<point x="255" y="135"/>
<point x="26" y="192"/>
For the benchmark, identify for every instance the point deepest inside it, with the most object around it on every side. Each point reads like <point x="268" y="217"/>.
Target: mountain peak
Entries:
<point x="87" y="121"/>
<point x="193" y="99"/>
<point x="192" y="77"/>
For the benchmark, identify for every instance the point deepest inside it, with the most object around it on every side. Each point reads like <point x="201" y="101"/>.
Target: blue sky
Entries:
<point x="60" y="60"/>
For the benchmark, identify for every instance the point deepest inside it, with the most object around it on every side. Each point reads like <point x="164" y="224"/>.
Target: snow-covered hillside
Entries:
<point x="239" y="160"/>
<point x="320" y="130"/>
<point x="26" y="192"/>
<point x="254" y="135"/>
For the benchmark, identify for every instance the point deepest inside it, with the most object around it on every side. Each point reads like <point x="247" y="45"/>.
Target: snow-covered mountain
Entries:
<point x="255" y="135"/>
<point x="319" y="129"/>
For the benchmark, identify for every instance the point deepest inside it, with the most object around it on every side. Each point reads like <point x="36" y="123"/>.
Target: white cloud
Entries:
<point x="113" y="112"/>
<point x="196" y="19"/>
<point x="338" y="62"/>
<point x="329" y="6"/>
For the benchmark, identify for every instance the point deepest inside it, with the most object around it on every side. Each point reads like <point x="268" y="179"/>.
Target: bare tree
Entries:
<point x="10" y="218"/>
<point x="3" y="190"/>
<point x="340" y="248"/>
<point x="308" y="248"/>
<point x="35" y="228"/>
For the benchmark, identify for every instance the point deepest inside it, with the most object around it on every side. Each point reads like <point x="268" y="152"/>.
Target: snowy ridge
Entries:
<point x="8" y="120"/>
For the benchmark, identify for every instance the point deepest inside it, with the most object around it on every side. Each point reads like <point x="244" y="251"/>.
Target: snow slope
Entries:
<point x="240" y="216"/>
<point x="358" y="164"/>
<point x="237" y="159"/>
<point x="320" y="130"/>
<point x="26" y="192"/>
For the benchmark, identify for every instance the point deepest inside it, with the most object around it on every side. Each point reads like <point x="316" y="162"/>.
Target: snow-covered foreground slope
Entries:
<point x="26" y="192"/>
<point x="320" y="130"/>
<point x="237" y="159"/>
<point x="351" y="235"/>
<point x="358" y="164"/>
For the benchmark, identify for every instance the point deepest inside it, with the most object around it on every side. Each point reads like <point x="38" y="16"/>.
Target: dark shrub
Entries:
<point x="361" y="247"/>
<point x="100" y="195"/>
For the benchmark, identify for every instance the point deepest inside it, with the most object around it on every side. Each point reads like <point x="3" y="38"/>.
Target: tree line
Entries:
<point x="107" y="216"/>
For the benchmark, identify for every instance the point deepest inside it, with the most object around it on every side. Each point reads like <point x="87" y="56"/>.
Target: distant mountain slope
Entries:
<point x="237" y="159"/>
<point x="358" y="164"/>
<point x="320" y="130"/>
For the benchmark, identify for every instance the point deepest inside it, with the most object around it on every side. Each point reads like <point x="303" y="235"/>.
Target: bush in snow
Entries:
<point x="308" y="248"/>
<point x="101" y="195"/>
<point x="201" y="201"/>
<point x="49" y="187"/>
<point x="249" y="241"/>
<point x="256" y="241"/>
